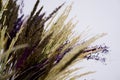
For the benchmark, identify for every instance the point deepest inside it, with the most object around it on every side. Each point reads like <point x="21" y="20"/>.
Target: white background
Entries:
<point x="101" y="16"/>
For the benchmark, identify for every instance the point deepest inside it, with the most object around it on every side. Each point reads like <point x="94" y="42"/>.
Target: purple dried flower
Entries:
<point x="16" y="27"/>
<point x="50" y="15"/>
<point x="61" y="55"/>
<point x="39" y="18"/>
<point x="19" y="22"/>
<point x="23" y="58"/>
<point x="105" y="49"/>
<point x="97" y="56"/>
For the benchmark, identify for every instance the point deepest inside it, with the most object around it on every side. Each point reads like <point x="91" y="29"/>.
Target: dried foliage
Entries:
<point x="40" y="47"/>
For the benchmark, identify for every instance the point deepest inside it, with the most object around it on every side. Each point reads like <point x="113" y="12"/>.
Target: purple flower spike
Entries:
<point x="98" y="56"/>
<point x="16" y="27"/>
<point x="18" y="23"/>
<point x="60" y="56"/>
<point x="23" y="58"/>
